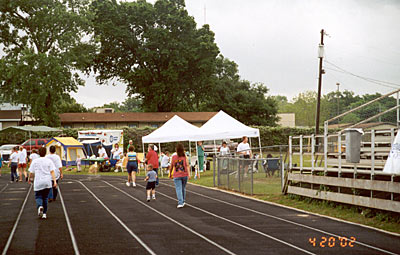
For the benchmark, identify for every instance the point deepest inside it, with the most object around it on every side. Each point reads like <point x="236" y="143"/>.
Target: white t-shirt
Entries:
<point x="42" y="168"/>
<point x="165" y="161"/>
<point x="14" y="157"/>
<point x="224" y="151"/>
<point x="102" y="153"/>
<point x="33" y="156"/>
<point x="22" y="156"/>
<point x="57" y="163"/>
<point x="116" y="153"/>
<point x="245" y="147"/>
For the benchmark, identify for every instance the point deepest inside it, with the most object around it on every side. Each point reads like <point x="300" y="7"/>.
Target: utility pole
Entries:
<point x="338" y="98"/>
<point x="321" y="72"/>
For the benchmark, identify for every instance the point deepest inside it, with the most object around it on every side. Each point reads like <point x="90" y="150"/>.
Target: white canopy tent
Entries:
<point x="223" y="126"/>
<point x="174" y="130"/>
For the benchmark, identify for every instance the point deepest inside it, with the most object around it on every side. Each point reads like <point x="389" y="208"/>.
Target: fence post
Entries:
<point x="252" y="171"/>
<point x="312" y="153"/>
<point x="214" y="165"/>
<point x="227" y="172"/>
<point x="301" y="153"/>
<point x="290" y="153"/>
<point x="239" y="176"/>
<point x="325" y="147"/>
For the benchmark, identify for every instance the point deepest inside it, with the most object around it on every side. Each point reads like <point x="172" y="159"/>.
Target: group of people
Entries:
<point x="45" y="171"/>
<point x="178" y="169"/>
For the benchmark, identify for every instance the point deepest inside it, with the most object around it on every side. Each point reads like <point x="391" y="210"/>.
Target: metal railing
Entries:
<point x="240" y="174"/>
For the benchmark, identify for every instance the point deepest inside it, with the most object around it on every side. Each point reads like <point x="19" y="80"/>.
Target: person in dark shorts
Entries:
<point x="131" y="166"/>
<point x="245" y="153"/>
<point x="151" y="178"/>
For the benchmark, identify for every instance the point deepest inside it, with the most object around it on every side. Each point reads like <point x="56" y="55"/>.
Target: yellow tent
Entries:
<point x="68" y="148"/>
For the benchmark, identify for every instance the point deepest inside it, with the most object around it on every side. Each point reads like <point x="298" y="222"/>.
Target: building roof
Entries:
<point x="134" y="117"/>
<point x="10" y="115"/>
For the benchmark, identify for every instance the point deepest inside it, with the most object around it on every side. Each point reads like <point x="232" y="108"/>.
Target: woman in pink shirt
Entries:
<point x="181" y="174"/>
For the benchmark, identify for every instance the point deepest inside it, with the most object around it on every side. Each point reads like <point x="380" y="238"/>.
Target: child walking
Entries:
<point x="151" y="178"/>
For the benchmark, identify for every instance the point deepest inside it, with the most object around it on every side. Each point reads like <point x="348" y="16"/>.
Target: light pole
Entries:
<point x="338" y="98"/>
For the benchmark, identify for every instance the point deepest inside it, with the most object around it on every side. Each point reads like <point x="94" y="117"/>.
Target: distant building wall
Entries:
<point x="287" y="119"/>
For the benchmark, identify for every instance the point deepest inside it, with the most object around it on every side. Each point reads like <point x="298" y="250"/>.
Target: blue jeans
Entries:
<point x="53" y="191"/>
<point x="41" y="197"/>
<point x="180" y="187"/>
<point x="14" y="167"/>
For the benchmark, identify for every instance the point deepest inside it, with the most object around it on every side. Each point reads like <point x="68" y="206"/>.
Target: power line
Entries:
<point x="379" y="82"/>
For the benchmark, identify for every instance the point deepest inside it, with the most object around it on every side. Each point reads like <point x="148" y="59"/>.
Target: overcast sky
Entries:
<point x="276" y="42"/>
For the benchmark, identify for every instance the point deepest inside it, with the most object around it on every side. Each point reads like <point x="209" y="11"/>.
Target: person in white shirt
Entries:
<point x="33" y="155"/>
<point x="22" y="156"/>
<point x="224" y="150"/>
<point x="244" y="151"/>
<point x="102" y="152"/>
<point x="165" y="161"/>
<point x="116" y="152"/>
<point x="13" y="161"/>
<point x="43" y="171"/>
<point x="58" y="172"/>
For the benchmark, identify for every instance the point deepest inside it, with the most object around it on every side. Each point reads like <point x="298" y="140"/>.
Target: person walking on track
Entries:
<point x="22" y="156"/>
<point x="59" y="174"/>
<point x="152" y="158"/>
<point x="179" y="166"/>
<point x="151" y="178"/>
<point x="43" y="171"/>
<point x="131" y="166"/>
<point x="13" y="160"/>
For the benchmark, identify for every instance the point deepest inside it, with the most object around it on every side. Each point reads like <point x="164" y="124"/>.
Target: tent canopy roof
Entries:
<point x="174" y="130"/>
<point x="223" y="126"/>
<point x="30" y="129"/>
<point x="66" y="141"/>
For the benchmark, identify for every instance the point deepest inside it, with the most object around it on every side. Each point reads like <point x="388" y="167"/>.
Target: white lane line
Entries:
<point x="120" y="221"/>
<point x="237" y="224"/>
<point x="285" y="220"/>
<point x="16" y="223"/>
<point x="174" y="221"/>
<point x="3" y="188"/>
<point x="71" y="233"/>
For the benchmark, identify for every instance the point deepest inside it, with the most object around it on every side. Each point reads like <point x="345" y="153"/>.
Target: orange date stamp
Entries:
<point x="332" y="241"/>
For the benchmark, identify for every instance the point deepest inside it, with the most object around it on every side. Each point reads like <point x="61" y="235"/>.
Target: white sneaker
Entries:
<point x="133" y="184"/>
<point x="179" y="206"/>
<point x="40" y="211"/>
<point x="245" y="175"/>
<point x="128" y="184"/>
<point x="148" y="199"/>
<point x="183" y="204"/>
<point x="44" y="216"/>
<point x="153" y="197"/>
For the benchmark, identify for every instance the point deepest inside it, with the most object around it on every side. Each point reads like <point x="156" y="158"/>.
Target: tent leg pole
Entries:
<point x="197" y="169"/>
<point x="143" y="159"/>
<point x="190" y="158"/>
<point x="259" y="142"/>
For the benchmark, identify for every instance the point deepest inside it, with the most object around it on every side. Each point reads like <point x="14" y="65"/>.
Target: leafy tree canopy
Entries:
<point x="43" y="45"/>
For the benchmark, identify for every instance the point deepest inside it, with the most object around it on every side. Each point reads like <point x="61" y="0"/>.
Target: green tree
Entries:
<point x="43" y="42"/>
<point x="132" y="104"/>
<point x="156" y="50"/>
<point x="69" y="104"/>
<point x="246" y="102"/>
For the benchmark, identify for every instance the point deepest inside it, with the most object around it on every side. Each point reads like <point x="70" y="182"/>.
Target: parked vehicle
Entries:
<point x="6" y="150"/>
<point x="31" y="144"/>
<point x="210" y="149"/>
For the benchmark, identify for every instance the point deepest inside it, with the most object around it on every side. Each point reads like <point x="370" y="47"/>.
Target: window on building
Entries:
<point x="132" y="125"/>
<point x="67" y="126"/>
<point x="108" y="110"/>
<point x="100" y="126"/>
<point x="154" y="125"/>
